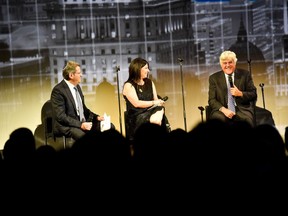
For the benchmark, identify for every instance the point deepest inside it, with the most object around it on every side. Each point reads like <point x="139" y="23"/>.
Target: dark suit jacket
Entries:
<point x="64" y="109"/>
<point x="218" y="91"/>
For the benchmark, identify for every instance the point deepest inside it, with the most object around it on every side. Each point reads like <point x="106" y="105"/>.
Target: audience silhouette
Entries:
<point x="20" y="146"/>
<point x="213" y="153"/>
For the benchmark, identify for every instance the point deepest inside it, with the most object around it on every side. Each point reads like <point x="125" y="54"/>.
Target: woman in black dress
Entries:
<point x="142" y="102"/>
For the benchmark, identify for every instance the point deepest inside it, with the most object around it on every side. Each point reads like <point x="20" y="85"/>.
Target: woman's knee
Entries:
<point x="156" y="118"/>
<point x="155" y="121"/>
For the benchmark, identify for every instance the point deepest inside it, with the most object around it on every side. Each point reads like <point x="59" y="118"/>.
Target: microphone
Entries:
<point x="201" y="108"/>
<point x="165" y="98"/>
<point x="180" y="60"/>
<point x="117" y="68"/>
<point x="261" y="85"/>
<point x="230" y="80"/>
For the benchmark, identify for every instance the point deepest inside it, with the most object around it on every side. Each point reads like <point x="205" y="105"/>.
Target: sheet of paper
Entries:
<point x="106" y="124"/>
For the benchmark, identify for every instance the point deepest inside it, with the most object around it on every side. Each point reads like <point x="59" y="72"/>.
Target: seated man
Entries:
<point x="72" y="117"/>
<point x="231" y="92"/>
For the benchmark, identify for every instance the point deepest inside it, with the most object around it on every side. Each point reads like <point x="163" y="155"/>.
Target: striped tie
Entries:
<point x="231" y="101"/>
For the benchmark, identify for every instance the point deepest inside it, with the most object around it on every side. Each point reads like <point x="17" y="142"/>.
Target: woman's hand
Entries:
<point x="159" y="102"/>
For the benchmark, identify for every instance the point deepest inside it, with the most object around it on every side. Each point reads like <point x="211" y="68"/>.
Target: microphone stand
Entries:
<point x="120" y="117"/>
<point x="262" y="90"/>
<point x="201" y="108"/>
<point x="183" y="99"/>
<point x="254" y="102"/>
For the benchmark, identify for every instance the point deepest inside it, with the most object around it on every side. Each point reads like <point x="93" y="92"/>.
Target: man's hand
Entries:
<point x="86" y="125"/>
<point x="100" y="118"/>
<point x="236" y="92"/>
<point x="228" y="113"/>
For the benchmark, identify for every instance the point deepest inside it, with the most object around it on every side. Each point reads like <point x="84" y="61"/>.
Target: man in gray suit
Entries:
<point x="72" y="117"/>
<point x="240" y="86"/>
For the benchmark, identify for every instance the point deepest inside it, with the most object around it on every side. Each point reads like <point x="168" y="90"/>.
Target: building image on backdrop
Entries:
<point x="181" y="39"/>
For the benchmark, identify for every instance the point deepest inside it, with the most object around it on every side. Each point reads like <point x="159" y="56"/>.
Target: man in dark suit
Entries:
<point x="240" y="86"/>
<point x="66" y="108"/>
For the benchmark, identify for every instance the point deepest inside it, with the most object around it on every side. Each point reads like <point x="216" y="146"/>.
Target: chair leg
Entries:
<point x="64" y="142"/>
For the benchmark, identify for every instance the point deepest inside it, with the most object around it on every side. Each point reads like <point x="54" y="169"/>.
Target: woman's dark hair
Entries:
<point x="135" y="69"/>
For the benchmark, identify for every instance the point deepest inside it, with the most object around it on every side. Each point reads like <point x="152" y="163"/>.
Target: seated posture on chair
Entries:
<point x="142" y="102"/>
<point x="72" y="117"/>
<point x="231" y="85"/>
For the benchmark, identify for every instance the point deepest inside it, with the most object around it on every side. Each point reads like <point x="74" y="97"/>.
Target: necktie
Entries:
<point x="231" y="102"/>
<point x="80" y="106"/>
